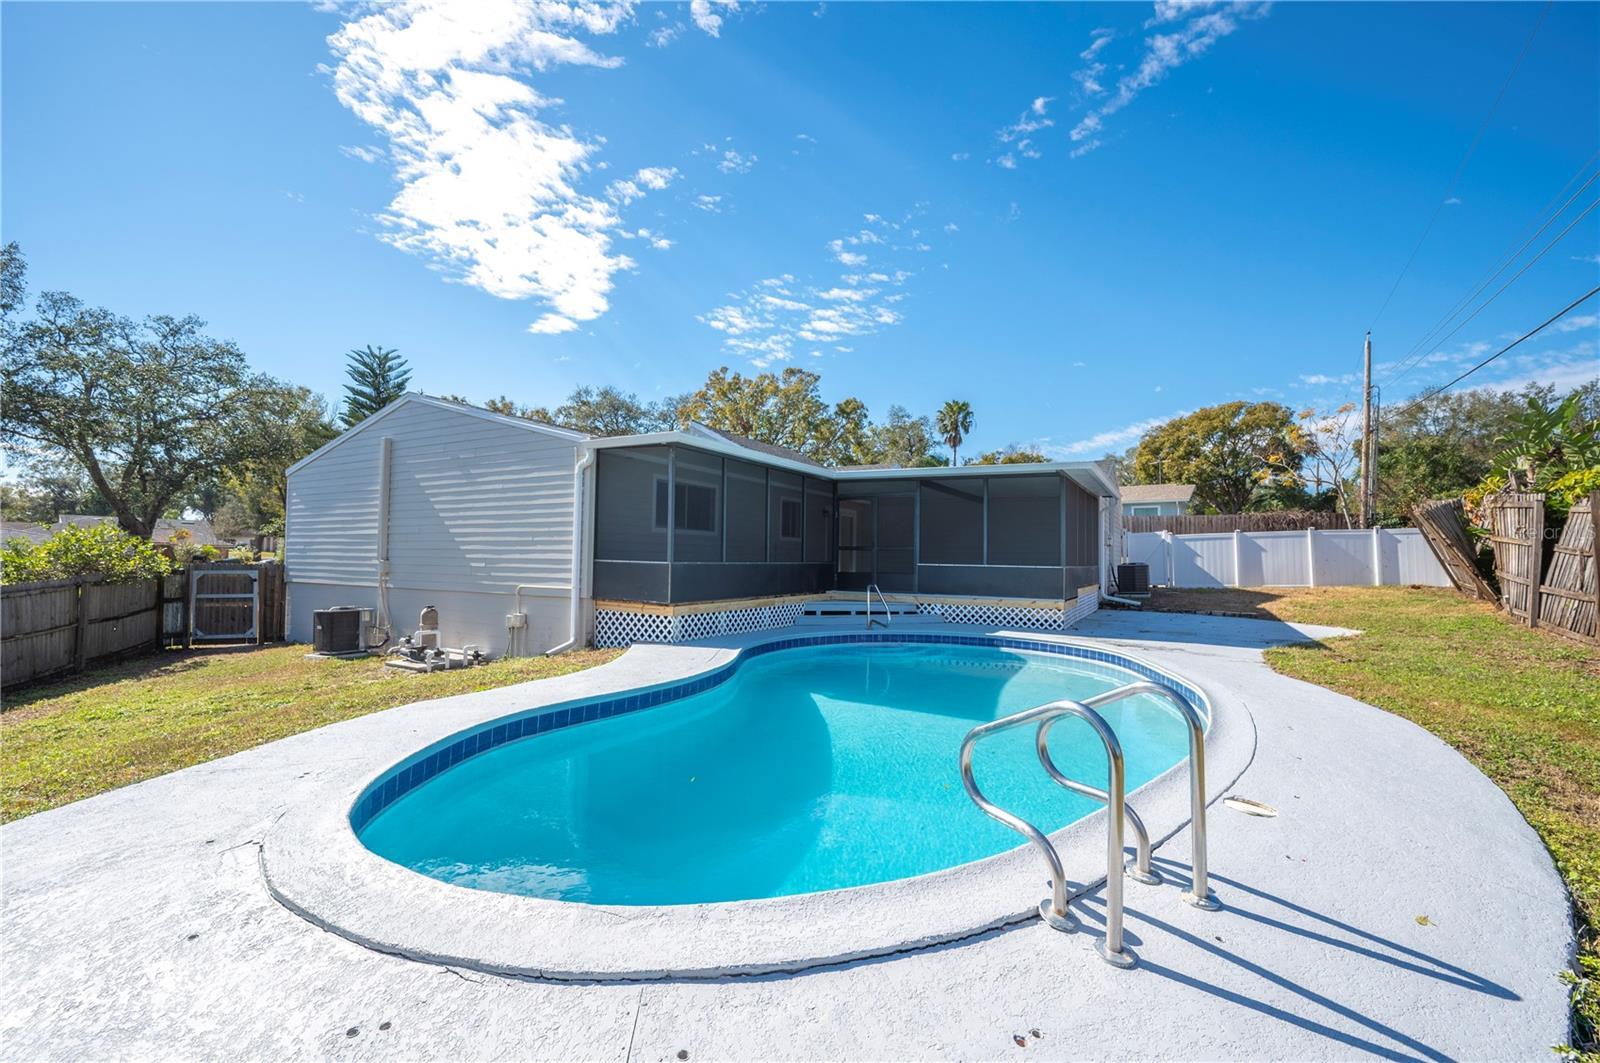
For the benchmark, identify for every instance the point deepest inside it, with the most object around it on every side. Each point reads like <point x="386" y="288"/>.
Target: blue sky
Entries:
<point x="1079" y="218"/>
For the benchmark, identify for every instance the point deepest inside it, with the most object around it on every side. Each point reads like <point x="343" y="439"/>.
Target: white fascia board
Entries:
<point x="1085" y="474"/>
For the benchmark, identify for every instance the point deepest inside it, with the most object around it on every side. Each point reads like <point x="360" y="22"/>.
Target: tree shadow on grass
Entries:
<point x="158" y="665"/>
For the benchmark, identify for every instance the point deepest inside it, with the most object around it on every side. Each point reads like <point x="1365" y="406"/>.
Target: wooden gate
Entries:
<point x="235" y="602"/>
<point x="1516" y="528"/>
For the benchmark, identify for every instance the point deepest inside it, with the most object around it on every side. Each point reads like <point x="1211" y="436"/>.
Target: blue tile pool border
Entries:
<point x="446" y="754"/>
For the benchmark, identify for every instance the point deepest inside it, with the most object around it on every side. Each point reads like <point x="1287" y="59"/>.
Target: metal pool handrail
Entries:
<point x="1140" y="870"/>
<point x="887" y="617"/>
<point x="1054" y="908"/>
<point x="1199" y="894"/>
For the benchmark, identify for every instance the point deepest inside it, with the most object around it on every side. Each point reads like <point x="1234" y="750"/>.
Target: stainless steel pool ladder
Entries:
<point x="872" y="588"/>
<point x="1053" y="909"/>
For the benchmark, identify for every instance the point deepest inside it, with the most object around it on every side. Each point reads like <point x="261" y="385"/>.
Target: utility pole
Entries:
<point x="1367" y="477"/>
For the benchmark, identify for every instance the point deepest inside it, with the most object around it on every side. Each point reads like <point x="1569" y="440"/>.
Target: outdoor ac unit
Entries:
<point x="336" y="630"/>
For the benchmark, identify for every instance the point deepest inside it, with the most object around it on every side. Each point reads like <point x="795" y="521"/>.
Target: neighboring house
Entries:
<point x="1157" y="500"/>
<point x="200" y="532"/>
<point x="22" y="529"/>
<point x="656" y="537"/>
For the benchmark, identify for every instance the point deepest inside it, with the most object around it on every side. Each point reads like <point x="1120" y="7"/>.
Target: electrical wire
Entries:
<point x="1414" y="354"/>
<point x="1563" y="312"/>
<point x="1462" y="323"/>
<point x="1460" y="167"/>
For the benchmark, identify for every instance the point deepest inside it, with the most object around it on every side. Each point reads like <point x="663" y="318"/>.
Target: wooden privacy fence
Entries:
<point x="1443" y="525"/>
<point x="1547" y="585"/>
<point x="66" y="625"/>
<point x="58" y="627"/>
<point x="1211" y="523"/>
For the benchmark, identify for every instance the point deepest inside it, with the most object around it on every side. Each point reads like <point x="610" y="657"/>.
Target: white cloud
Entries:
<point x="1019" y="134"/>
<point x="362" y="152"/>
<point x="1113" y="439"/>
<point x="704" y="14"/>
<point x="733" y="162"/>
<point x="662" y="36"/>
<point x="1453" y="201"/>
<point x="951" y="227"/>
<point x="1587" y="258"/>
<point x="711" y="204"/>
<point x="490" y="192"/>
<point x="960" y="156"/>
<point x="551" y="324"/>
<point x="1164" y="53"/>
<point x="774" y="318"/>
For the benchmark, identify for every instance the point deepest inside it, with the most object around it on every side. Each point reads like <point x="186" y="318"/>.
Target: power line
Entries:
<point x="1463" y="322"/>
<point x="1408" y="360"/>
<point x="1563" y="312"/>
<point x="1460" y="167"/>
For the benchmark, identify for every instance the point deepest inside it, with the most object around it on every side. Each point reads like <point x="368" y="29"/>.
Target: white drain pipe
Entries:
<point x="575" y="619"/>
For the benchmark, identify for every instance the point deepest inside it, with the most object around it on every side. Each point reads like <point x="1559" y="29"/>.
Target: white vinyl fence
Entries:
<point x="1396" y="556"/>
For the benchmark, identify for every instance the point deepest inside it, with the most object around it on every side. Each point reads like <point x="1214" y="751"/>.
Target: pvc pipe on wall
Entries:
<point x="575" y="620"/>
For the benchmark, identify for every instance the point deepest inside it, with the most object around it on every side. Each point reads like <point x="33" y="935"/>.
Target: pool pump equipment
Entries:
<point x="420" y="651"/>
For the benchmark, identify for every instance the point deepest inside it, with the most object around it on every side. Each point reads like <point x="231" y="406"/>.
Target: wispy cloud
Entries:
<point x="1111" y="440"/>
<point x="1196" y="27"/>
<point x="1019" y="134"/>
<point x="710" y="204"/>
<point x="490" y="192"/>
<point x="362" y="152"/>
<point x="776" y="318"/>
<point x="733" y="162"/>
<point x="649" y="179"/>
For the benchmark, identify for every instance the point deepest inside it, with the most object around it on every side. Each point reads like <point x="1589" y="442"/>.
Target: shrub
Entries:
<point x="97" y="550"/>
<point x="1565" y="492"/>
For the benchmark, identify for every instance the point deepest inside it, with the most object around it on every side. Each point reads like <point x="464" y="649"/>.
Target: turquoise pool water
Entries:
<point x="809" y="769"/>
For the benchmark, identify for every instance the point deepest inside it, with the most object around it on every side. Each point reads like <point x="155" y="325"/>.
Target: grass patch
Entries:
<point x="1522" y="705"/>
<point x="145" y="717"/>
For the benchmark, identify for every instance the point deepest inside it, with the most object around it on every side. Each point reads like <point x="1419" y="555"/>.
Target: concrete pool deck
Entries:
<point x="137" y="923"/>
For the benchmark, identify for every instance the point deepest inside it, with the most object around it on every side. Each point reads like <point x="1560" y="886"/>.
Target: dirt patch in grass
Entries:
<point x="1523" y="705"/>
<point x="141" y="718"/>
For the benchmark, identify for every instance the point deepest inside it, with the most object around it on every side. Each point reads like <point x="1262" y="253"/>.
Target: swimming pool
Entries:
<point x="815" y="767"/>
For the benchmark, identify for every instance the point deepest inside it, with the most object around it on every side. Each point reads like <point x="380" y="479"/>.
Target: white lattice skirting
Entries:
<point x="618" y="627"/>
<point x="621" y="627"/>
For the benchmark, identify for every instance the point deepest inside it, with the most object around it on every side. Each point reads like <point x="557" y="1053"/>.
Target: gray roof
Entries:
<point x="772" y="449"/>
<point x="1158" y="493"/>
<point x="22" y="529"/>
<point x="200" y="531"/>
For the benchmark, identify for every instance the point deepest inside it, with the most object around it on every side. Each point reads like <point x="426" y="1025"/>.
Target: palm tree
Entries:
<point x="378" y="376"/>
<point x="954" y="422"/>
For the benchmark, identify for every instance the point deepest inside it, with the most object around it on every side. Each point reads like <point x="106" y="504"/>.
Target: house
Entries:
<point x="529" y="537"/>
<point x="1157" y="500"/>
<point x="199" y="532"/>
<point x="22" y="529"/>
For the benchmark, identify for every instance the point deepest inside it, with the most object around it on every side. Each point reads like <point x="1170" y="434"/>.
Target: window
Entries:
<point x="1144" y="511"/>
<point x="695" y="509"/>
<point x="789" y="519"/>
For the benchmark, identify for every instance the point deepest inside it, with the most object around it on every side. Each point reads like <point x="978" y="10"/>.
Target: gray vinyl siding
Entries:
<point x="473" y="506"/>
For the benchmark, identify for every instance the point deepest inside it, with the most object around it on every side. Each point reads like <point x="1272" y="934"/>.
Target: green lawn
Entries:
<point x="1522" y="705"/>
<point x="151" y="715"/>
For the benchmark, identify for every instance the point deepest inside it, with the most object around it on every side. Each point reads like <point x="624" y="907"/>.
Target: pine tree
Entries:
<point x="379" y="376"/>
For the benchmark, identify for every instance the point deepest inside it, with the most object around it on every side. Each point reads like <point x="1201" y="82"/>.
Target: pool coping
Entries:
<point x="314" y="864"/>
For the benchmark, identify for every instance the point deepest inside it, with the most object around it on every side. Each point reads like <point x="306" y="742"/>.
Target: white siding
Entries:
<point x="475" y="507"/>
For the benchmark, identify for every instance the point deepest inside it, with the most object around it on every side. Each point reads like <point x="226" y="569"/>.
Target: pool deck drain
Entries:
<point x="137" y="923"/>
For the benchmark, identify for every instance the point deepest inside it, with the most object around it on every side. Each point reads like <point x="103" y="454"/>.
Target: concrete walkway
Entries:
<point x="137" y="924"/>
